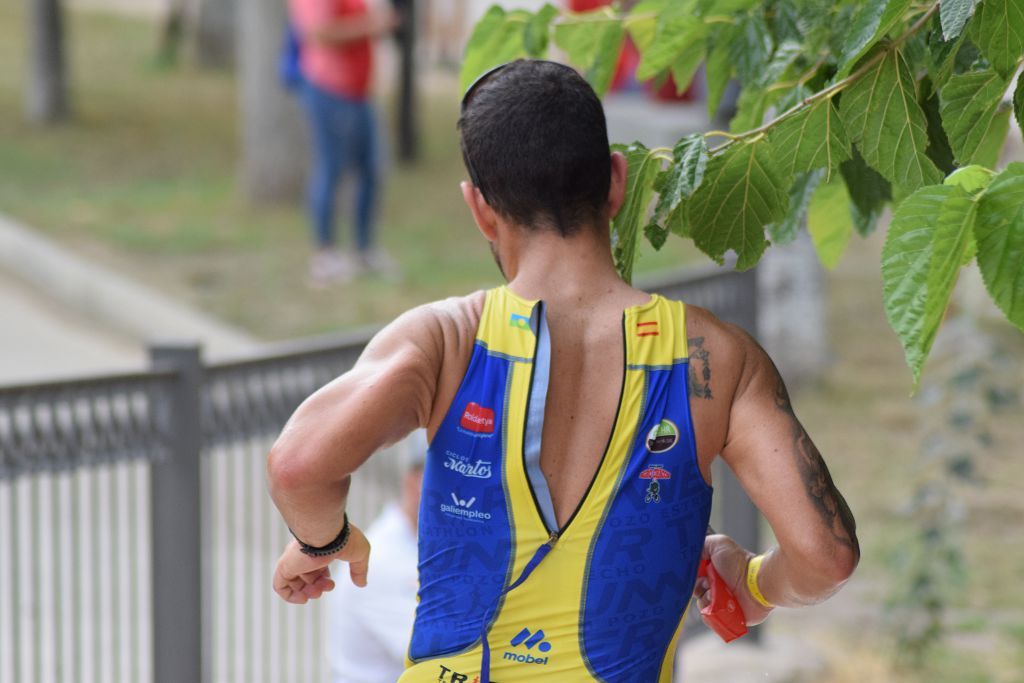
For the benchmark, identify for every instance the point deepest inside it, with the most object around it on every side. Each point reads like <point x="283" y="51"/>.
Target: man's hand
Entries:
<point x="730" y="561"/>
<point x="300" y="577"/>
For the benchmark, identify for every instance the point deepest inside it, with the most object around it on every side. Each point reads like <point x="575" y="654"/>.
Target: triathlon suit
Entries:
<point x="505" y="595"/>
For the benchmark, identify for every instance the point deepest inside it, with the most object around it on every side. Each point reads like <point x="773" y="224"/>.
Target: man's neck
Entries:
<point x="576" y="271"/>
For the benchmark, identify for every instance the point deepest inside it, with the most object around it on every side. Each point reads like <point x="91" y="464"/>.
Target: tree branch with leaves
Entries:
<point x="845" y="108"/>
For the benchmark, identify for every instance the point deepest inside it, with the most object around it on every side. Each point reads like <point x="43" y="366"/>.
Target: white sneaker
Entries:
<point x="329" y="266"/>
<point x="379" y="262"/>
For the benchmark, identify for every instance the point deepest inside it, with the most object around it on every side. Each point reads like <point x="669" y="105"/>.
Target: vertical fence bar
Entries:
<point x="77" y="635"/>
<point x="175" y="523"/>
<point x="57" y="517"/>
<point x="7" y="625"/>
<point x="15" y="581"/>
<point x="96" y="553"/>
<point x="134" y="674"/>
<point x="36" y="565"/>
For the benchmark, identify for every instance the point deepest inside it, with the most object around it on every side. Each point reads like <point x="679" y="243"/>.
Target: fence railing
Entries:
<point x="137" y="540"/>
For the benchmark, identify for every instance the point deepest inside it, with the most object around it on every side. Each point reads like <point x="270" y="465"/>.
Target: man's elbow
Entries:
<point x="296" y="465"/>
<point x="842" y="563"/>
<point x="287" y="470"/>
<point x="827" y="567"/>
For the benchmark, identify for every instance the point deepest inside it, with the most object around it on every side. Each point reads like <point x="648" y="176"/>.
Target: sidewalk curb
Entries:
<point x="93" y="291"/>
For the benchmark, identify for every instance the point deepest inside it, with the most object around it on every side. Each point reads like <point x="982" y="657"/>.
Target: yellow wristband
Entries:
<point x="753" y="569"/>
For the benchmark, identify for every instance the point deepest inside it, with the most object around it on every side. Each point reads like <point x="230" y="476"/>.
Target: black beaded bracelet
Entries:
<point x="334" y="546"/>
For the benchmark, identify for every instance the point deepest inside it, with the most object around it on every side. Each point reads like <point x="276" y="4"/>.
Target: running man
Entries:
<point x="552" y="405"/>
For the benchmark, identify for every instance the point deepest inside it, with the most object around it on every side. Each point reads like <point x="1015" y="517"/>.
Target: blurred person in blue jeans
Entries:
<point x="336" y="63"/>
<point x="368" y="629"/>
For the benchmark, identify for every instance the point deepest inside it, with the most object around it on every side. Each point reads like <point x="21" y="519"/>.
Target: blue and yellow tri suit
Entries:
<point x="504" y="596"/>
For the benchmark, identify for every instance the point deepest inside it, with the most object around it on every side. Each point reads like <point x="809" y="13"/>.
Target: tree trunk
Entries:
<point x="215" y="32"/>
<point x="406" y="111"/>
<point x="791" y="309"/>
<point x="46" y="93"/>
<point x="274" y="143"/>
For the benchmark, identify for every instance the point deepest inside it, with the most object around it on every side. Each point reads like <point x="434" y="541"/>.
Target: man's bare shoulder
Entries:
<point x="719" y="354"/>
<point x="459" y="316"/>
<point x="438" y="327"/>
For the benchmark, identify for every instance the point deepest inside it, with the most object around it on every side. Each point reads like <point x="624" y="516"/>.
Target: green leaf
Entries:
<point x="998" y="29"/>
<point x="641" y="30"/>
<point x="538" y="30"/>
<point x="593" y="41"/>
<point x="687" y="62"/>
<point x="642" y="169"/>
<point x="719" y="67"/>
<point x="815" y="138"/>
<point x="883" y="117"/>
<point x="973" y="179"/>
<point x="992" y="145"/>
<point x="969" y="103"/>
<point x="1000" y="235"/>
<point x="602" y="70"/>
<point x="750" y="109"/>
<point x="869" y="192"/>
<point x="943" y="58"/>
<point x="677" y="223"/>
<point x="873" y="20"/>
<point x="674" y="34"/>
<point x="785" y="23"/>
<point x="497" y="38"/>
<point x="1018" y="101"/>
<point x="923" y="252"/>
<point x="954" y="15"/>
<point x="755" y="98"/>
<point x="740" y="195"/>
<point x="939" y="150"/>
<point x="656" y="235"/>
<point x="830" y="223"/>
<point x="689" y="161"/>
<point x="800" y="195"/>
<point x="707" y="7"/>
<point x="751" y="48"/>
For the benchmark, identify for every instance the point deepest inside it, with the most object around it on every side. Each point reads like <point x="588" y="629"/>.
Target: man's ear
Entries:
<point x="617" y="188"/>
<point x="485" y="217"/>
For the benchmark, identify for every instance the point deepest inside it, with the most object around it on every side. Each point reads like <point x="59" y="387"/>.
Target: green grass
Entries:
<point x="144" y="179"/>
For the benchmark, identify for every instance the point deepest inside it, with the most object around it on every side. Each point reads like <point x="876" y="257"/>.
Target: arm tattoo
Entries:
<point x="699" y="382"/>
<point x="827" y="500"/>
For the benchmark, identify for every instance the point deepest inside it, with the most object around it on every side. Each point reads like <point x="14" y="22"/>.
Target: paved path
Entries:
<point x="61" y="315"/>
<point x="40" y="339"/>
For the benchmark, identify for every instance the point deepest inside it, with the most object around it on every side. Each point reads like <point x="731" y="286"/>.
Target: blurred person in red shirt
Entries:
<point x="336" y="63"/>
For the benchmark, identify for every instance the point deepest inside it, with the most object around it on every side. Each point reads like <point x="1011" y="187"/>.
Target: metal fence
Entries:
<point x="137" y="540"/>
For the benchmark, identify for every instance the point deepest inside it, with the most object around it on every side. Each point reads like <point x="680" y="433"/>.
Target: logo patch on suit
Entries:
<point x="647" y="329"/>
<point x="520" y="322"/>
<point x="477" y="419"/>
<point x="654" y="473"/>
<point x="662" y="437"/>
<point x="529" y="640"/>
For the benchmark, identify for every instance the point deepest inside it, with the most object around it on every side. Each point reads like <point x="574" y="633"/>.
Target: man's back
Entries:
<point x="576" y="416"/>
<point x="586" y="375"/>
<point x="622" y="554"/>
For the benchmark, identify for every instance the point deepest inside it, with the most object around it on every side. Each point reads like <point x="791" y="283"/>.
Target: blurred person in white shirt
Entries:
<point x="368" y="629"/>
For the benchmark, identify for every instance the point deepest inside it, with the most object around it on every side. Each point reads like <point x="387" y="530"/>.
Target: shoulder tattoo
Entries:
<point x="700" y="368"/>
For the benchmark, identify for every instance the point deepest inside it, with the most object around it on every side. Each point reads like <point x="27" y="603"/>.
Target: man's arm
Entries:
<point x="388" y="393"/>
<point x="786" y="478"/>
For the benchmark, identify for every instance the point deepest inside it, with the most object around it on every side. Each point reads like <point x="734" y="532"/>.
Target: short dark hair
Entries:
<point x="535" y="143"/>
